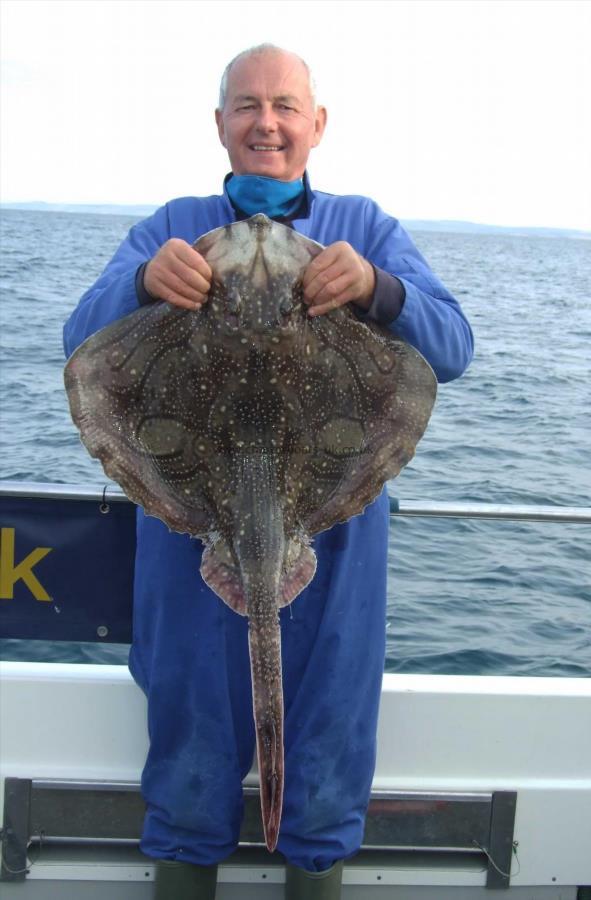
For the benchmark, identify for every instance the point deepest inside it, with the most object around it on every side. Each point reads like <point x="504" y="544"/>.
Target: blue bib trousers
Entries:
<point x="190" y="657"/>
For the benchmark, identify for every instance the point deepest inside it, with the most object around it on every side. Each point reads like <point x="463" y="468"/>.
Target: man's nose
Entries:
<point x="267" y="118"/>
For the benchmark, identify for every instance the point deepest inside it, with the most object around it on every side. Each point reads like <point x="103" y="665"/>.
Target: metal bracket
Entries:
<point x="500" y="846"/>
<point x="16" y="830"/>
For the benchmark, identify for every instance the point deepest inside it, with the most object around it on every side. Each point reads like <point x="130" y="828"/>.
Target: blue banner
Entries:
<point x="66" y="569"/>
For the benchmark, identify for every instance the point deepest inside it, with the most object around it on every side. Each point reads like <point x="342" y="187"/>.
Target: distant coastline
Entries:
<point x="448" y="225"/>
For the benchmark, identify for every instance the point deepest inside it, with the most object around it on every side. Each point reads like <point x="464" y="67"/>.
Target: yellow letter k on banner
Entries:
<point x="10" y="574"/>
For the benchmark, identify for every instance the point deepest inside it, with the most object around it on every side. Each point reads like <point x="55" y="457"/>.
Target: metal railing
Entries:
<point x="514" y="512"/>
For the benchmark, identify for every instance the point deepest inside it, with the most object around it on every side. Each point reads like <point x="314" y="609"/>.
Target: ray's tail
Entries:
<point x="259" y="547"/>
<point x="265" y="663"/>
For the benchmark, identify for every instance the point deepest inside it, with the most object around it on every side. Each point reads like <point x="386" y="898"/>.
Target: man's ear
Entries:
<point x="219" y="120"/>
<point x="320" y="118"/>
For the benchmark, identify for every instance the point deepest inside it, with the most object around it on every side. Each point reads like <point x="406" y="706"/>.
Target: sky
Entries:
<point x="471" y="110"/>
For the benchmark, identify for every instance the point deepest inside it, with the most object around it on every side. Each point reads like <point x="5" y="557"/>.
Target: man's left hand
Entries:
<point x="337" y="276"/>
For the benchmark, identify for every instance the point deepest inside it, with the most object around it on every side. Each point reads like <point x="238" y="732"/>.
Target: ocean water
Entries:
<point x="465" y="596"/>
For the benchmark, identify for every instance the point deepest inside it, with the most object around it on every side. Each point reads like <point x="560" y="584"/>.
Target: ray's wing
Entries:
<point x="368" y="399"/>
<point x="132" y="406"/>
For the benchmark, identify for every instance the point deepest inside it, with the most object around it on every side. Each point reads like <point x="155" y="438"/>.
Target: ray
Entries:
<point x="252" y="426"/>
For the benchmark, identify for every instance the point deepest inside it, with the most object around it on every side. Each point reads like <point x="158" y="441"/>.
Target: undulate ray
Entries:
<point x="252" y="426"/>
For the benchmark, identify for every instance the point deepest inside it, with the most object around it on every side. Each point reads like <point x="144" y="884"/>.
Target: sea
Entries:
<point x="465" y="596"/>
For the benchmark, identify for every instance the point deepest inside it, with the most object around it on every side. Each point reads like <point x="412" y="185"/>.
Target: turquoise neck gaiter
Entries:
<point x="259" y="194"/>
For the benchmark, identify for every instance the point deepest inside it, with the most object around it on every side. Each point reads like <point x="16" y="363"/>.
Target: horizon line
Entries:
<point x="150" y="207"/>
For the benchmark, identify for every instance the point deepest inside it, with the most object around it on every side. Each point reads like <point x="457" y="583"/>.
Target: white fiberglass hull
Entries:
<point x="473" y="738"/>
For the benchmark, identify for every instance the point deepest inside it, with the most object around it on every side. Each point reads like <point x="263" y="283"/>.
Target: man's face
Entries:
<point x="268" y="124"/>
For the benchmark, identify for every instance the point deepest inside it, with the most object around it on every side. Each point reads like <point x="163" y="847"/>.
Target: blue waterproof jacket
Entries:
<point x="189" y="651"/>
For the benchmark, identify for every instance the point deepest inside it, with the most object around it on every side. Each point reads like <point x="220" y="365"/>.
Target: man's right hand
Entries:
<point x="179" y="275"/>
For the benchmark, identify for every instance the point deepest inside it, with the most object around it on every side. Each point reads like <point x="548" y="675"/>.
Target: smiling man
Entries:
<point x="189" y="651"/>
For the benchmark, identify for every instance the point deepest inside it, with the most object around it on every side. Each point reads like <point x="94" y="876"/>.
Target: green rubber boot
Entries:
<point x="183" y="881"/>
<point x="302" y="885"/>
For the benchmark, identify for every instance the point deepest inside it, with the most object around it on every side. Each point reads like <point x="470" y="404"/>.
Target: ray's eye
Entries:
<point x="287" y="305"/>
<point x="234" y="301"/>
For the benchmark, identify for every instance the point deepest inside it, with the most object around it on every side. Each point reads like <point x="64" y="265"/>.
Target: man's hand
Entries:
<point x="337" y="276"/>
<point x="179" y="275"/>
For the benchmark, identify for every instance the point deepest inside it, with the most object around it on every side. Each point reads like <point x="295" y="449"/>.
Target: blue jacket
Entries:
<point x="189" y="651"/>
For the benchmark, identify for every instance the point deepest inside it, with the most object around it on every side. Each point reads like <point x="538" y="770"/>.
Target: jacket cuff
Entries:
<point x="387" y="301"/>
<point x="143" y="298"/>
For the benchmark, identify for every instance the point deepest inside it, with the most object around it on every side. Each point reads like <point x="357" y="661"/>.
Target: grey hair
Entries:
<point x="253" y="51"/>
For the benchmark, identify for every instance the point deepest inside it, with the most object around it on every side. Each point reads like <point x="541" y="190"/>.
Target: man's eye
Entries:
<point x="247" y="106"/>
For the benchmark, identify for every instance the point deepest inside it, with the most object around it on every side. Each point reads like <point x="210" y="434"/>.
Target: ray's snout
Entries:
<point x="260" y="225"/>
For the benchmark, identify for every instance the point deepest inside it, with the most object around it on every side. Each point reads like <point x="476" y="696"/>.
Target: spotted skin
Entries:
<point x="252" y="426"/>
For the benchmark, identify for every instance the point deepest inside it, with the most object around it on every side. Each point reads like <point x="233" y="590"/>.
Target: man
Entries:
<point x="189" y="651"/>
